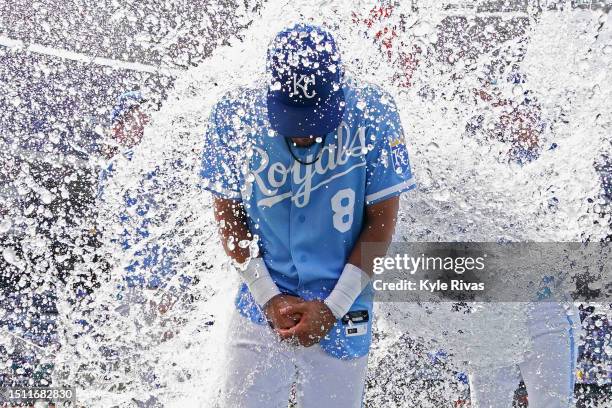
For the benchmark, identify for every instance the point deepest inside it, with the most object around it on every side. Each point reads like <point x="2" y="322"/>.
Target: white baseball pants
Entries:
<point x="548" y="370"/>
<point x="261" y="370"/>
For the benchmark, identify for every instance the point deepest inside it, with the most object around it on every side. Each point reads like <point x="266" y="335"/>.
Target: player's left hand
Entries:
<point x="316" y="320"/>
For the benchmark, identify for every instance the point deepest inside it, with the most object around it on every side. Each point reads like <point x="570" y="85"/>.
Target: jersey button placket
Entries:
<point x="297" y="219"/>
<point x="294" y="227"/>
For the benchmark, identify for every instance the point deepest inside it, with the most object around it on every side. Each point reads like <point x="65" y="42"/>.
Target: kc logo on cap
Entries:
<point x="302" y="82"/>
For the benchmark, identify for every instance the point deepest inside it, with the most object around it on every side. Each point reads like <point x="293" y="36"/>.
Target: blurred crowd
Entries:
<point x="64" y="119"/>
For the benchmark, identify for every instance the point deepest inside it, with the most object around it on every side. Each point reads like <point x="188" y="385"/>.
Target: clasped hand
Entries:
<point x="293" y="318"/>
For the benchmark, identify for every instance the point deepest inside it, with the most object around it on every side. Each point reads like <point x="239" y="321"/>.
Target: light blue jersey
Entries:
<point x="308" y="217"/>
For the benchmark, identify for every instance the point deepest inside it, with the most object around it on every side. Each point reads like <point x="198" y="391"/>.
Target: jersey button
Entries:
<point x="302" y="218"/>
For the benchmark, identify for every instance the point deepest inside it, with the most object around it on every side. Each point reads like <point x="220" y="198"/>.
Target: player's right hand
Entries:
<point x="273" y="315"/>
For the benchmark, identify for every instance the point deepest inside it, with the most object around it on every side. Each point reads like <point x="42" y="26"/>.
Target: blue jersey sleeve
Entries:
<point x="219" y="159"/>
<point x="388" y="165"/>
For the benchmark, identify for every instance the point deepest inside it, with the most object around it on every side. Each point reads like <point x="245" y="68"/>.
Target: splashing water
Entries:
<point x="505" y="117"/>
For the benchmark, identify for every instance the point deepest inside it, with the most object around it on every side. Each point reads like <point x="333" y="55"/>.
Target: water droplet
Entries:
<point x="421" y="29"/>
<point x="518" y="91"/>
<point x="361" y="105"/>
<point x="10" y="256"/>
<point x="46" y="197"/>
<point x="5" y="225"/>
<point x="319" y="139"/>
<point x="441" y="195"/>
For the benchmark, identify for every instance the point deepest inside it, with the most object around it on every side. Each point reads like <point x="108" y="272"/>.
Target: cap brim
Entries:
<point x="304" y="121"/>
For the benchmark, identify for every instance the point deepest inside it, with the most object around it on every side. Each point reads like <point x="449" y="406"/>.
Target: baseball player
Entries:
<point x="147" y="263"/>
<point x="307" y="165"/>
<point x="548" y="368"/>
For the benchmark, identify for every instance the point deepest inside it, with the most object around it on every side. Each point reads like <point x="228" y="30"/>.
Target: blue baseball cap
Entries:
<point x="305" y="96"/>
<point x="125" y="102"/>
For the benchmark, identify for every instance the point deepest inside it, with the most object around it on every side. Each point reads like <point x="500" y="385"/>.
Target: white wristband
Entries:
<point x="350" y="285"/>
<point x="259" y="281"/>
